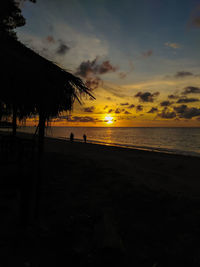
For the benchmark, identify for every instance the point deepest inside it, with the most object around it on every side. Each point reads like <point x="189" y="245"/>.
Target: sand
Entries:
<point x="169" y="172"/>
<point x="103" y="205"/>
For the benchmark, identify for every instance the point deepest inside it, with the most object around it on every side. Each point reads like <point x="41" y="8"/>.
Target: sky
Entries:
<point x="140" y="57"/>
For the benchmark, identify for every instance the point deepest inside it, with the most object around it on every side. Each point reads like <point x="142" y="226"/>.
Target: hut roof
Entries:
<point x="35" y="83"/>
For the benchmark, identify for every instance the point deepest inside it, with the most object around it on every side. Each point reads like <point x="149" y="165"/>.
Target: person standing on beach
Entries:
<point x="71" y="137"/>
<point x="84" y="138"/>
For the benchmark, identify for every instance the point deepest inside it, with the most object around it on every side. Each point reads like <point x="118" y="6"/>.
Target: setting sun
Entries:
<point x="108" y="119"/>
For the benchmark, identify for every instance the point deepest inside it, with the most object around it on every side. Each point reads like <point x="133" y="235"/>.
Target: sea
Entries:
<point x="184" y="141"/>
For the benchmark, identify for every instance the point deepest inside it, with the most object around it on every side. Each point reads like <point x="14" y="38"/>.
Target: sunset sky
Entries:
<point x="141" y="57"/>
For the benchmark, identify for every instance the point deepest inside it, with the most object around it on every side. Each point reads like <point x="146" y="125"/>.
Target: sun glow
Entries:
<point x="108" y="119"/>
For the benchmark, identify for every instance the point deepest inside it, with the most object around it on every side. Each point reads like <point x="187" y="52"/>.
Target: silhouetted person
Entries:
<point x="84" y="138"/>
<point x="71" y="137"/>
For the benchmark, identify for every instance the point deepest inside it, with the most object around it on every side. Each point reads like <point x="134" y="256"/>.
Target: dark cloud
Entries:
<point x="147" y="54"/>
<point x="147" y="96"/>
<point x="62" y="49"/>
<point x="124" y="104"/>
<point x="183" y="74"/>
<point x="153" y="110"/>
<point x="105" y="107"/>
<point x="173" y="96"/>
<point x="166" y="114"/>
<point x="108" y="98"/>
<point x="131" y="106"/>
<point x="185" y="112"/>
<point x="87" y="68"/>
<point x="110" y="110"/>
<point x="191" y="90"/>
<point x="127" y="112"/>
<point x="89" y="109"/>
<point x="105" y="67"/>
<point x="82" y="119"/>
<point x="139" y="108"/>
<point x="117" y="111"/>
<point x="94" y="82"/>
<point x="187" y="100"/>
<point x="165" y="103"/>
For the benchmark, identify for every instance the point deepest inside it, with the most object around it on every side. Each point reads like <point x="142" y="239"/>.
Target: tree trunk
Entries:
<point x="42" y="120"/>
<point x="14" y="120"/>
<point x="38" y="181"/>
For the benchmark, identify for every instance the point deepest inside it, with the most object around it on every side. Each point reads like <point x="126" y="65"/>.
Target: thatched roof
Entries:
<point x="34" y="83"/>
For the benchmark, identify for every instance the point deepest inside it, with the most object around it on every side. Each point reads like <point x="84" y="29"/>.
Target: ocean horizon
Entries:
<point x="176" y="140"/>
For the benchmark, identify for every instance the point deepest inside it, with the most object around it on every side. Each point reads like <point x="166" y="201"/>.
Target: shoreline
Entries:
<point x="129" y="146"/>
<point x="123" y="146"/>
<point x="176" y="174"/>
<point x="134" y="147"/>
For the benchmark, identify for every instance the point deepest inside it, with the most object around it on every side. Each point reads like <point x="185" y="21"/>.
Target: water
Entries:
<point x="171" y="140"/>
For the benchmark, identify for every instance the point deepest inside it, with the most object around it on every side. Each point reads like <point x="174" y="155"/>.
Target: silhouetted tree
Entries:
<point x="10" y="16"/>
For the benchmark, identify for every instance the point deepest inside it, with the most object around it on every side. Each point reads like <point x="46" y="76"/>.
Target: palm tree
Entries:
<point x="35" y="86"/>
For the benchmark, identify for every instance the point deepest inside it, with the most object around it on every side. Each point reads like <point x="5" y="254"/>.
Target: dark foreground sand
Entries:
<point x="104" y="205"/>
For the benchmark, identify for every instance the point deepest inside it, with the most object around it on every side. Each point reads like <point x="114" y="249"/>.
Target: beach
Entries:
<point x="102" y="204"/>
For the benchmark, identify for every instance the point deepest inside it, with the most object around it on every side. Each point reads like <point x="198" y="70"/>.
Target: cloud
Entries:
<point x="173" y="96"/>
<point x="82" y="119"/>
<point x="87" y="68"/>
<point x="131" y="106"/>
<point x="106" y="67"/>
<point x="173" y="45"/>
<point x="124" y="104"/>
<point x="127" y="112"/>
<point x="183" y="74"/>
<point x="147" y="96"/>
<point x="90" y="71"/>
<point x="62" y="49"/>
<point x="147" y="54"/>
<point x="187" y="100"/>
<point x="110" y="110"/>
<point x="165" y="103"/>
<point x="191" y="90"/>
<point x="187" y="113"/>
<point x="153" y="110"/>
<point x="89" y="109"/>
<point x="139" y="108"/>
<point x="117" y="111"/>
<point x="166" y="114"/>
<point x="94" y="82"/>
<point x="105" y="107"/>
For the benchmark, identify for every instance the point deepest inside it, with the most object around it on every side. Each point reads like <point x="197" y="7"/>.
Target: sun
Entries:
<point x="108" y="119"/>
